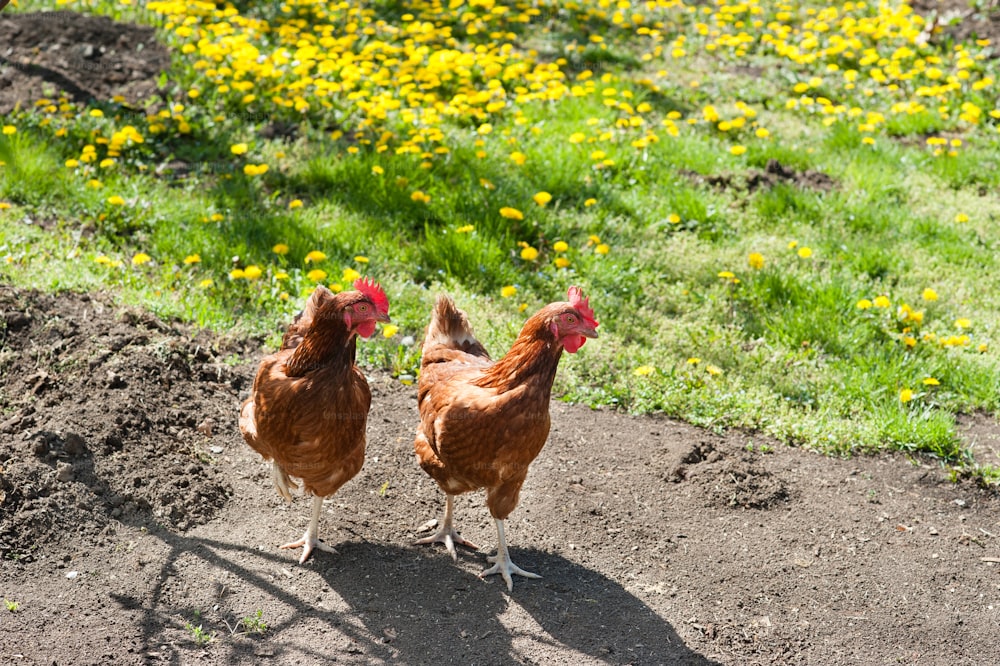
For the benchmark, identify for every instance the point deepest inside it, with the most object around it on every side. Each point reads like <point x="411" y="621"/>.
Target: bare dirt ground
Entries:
<point x="131" y="513"/>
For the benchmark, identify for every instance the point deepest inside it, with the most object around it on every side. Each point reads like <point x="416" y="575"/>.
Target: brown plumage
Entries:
<point x="482" y="423"/>
<point x="308" y="409"/>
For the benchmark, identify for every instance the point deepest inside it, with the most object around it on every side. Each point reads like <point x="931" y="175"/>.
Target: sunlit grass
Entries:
<point x="516" y="154"/>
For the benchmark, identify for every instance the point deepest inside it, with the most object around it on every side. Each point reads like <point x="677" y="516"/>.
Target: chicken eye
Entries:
<point x="362" y="307"/>
<point x="570" y="319"/>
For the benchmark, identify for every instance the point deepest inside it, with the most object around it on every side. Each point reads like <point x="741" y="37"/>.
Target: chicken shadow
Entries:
<point x="413" y="605"/>
<point x="430" y="609"/>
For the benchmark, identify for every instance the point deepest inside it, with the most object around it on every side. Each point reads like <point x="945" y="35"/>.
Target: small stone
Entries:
<point x="72" y="574"/>
<point x="216" y="449"/>
<point x="64" y="472"/>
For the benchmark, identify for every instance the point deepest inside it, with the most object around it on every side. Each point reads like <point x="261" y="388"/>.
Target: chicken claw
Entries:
<point x="309" y="540"/>
<point x="447" y="534"/>
<point x="307" y="543"/>
<point x="503" y="565"/>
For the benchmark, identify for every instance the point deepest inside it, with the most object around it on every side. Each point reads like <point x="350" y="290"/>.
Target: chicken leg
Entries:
<point x="447" y="534"/>
<point x="503" y="565"/>
<point x="309" y="541"/>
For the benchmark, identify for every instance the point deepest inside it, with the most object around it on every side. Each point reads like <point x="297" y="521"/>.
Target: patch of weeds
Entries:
<point x="12" y="606"/>
<point x="254" y="624"/>
<point x="200" y="636"/>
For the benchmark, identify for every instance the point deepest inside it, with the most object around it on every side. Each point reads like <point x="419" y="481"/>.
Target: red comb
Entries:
<point x="582" y="305"/>
<point x="374" y="292"/>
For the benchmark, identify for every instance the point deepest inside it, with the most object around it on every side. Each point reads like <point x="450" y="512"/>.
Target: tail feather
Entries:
<point x="449" y="329"/>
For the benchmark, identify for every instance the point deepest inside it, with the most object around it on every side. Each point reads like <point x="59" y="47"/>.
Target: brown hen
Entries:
<point x="482" y="423"/>
<point x="309" y="405"/>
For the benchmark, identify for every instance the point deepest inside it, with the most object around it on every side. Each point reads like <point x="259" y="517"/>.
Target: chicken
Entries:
<point x="309" y="405"/>
<point x="482" y="423"/>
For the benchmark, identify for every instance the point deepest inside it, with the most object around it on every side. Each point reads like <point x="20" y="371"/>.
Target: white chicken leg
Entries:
<point x="309" y="541"/>
<point x="447" y="534"/>
<point x="503" y="565"/>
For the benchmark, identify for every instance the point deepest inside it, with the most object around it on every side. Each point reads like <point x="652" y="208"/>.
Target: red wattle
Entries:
<point x="573" y="342"/>
<point x="366" y="328"/>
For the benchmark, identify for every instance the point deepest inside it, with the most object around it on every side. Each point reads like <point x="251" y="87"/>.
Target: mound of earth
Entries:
<point x="773" y="173"/>
<point x="138" y="528"/>
<point x="108" y="415"/>
<point x="84" y="57"/>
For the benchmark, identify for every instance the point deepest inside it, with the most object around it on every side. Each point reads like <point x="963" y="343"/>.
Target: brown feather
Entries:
<point x="483" y="423"/>
<point x="309" y="405"/>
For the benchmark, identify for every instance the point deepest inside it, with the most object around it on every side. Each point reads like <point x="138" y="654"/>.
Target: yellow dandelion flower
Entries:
<point x="316" y="275"/>
<point x="349" y="275"/>
<point x="252" y="272"/>
<point x="192" y="259"/>
<point x="281" y="275"/>
<point x="106" y="162"/>
<point x="116" y="200"/>
<point x="522" y="307"/>
<point x="529" y="253"/>
<point x="238" y="148"/>
<point x="9" y="129"/>
<point x="562" y="262"/>
<point x="377" y="170"/>
<point x="96" y="113"/>
<point x="864" y="304"/>
<point x="560" y="246"/>
<point x="295" y="203"/>
<point x="508" y="291"/>
<point x="881" y="302"/>
<point x="217" y="217"/>
<point x="511" y="213"/>
<point x="465" y="228"/>
<point x="805" y="252"/>
<point x="314" y="256"/>
<point x="602" y="248"/>
<point x="694" y="360"/>
<point x="72" y="164"/>
<point x="589" y="202"/>
<point x="713" y="370"/>
<point x="762" y="133"/>
<point x="577" y="137"/>
<point x="961" y="217"/>
<point x="94" y="183"/>
<point x="4" y="205"/>
<point x="962" y="323"/>
<point x="361" y="259"/>
<point x="737" y="150"/>
<point x="930" y="381"/>
<point x="929" y="294"/>
<point x="726" y="275"/>
<point x="141" y="258"/>
<point x="237" y="274"/>
<point x="280" y="248"/>
<point x="643" y="370"/>
<point x="206" y="283"/>
<point x="792" y="245"/>
<point x="518" y="158"/>
<point x="905" y="395"/>
<point x="755" y="260"/>
<point x="390" y="330"/>
<point x="542" y="198"/>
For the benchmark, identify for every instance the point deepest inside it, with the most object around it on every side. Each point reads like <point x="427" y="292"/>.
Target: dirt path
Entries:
<point x="130" y="508"/>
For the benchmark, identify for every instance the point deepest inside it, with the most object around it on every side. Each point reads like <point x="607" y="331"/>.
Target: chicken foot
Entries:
<point x="281" y="482"/>
<point x="503" y="565"/>
<point x="447" y="534"/>
<point x="309" y="541"/>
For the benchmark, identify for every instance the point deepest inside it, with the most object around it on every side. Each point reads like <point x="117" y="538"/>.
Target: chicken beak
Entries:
<point x="384" y="318"/>
<point x="588" y="332"/>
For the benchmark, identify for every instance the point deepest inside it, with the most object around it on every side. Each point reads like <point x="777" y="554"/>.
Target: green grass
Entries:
<point x="790" y="352"/>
